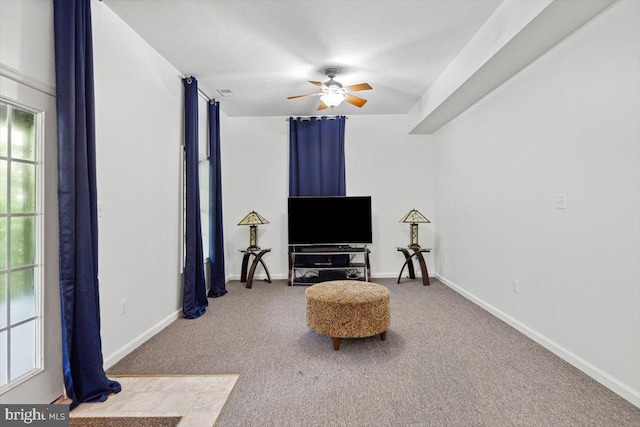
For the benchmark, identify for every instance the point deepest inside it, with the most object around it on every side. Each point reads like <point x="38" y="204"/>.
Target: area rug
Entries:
<point x="195" y="400"/>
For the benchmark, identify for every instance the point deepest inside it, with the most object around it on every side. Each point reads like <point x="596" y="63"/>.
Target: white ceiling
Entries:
<point x="265" y="51"/>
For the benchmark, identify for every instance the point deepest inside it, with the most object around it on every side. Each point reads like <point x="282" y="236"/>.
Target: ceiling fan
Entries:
<point x="333" y="93"/>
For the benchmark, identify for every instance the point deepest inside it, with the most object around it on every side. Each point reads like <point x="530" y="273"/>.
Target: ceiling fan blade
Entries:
<point x="302" y="96"/>
<point x="322" y="106"/>
<point x="354" y="100"/>
<point x="319" y="84"/>
<point x="359" y="86"/>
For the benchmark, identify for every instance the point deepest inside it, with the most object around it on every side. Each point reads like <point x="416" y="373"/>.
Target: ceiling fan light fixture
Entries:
<point x="332" y="98"/>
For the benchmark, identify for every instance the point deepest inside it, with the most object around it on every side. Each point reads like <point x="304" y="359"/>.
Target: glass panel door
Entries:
<point x="20" y="237"/>
<point x="30" y="333"/>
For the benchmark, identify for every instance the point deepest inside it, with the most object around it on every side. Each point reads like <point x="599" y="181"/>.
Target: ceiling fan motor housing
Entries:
<point x="331" y="73"/>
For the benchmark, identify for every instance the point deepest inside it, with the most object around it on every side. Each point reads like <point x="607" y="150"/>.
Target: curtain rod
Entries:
<point x="314" y="117"/>
<point x="200" y="91"/>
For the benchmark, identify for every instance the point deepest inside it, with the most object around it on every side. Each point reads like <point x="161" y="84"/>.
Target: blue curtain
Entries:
<point x="82" y="364"/>
<point x="316" y="157"/>
<point x="194" y="301"/>
<point x="216" y="239"/>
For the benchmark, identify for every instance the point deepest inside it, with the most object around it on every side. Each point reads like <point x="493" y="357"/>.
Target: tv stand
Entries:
<point x="319" y="264"/>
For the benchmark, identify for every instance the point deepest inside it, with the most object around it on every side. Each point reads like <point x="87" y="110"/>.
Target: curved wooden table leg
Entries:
<point x="291" y="261"/>
<point x="367" y="266"/>
<point x="266" y="270"/>
<point x="252" y="270"/>
<point x="408" y="263"/>
<point x="245" y="263"/>
<point x="401" y="270"/>
<point x="423" y="268"/>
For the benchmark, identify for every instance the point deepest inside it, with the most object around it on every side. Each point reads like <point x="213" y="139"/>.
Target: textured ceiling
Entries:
<point x="264" y="51"/>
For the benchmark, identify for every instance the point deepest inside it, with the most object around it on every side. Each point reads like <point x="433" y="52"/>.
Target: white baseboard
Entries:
<point x="395" y="276"/>
<point x="114" y="358"/>
<point x="259" y="277"/>
<point x="597" y="374"/>
<point x="286" y="276"/>
<point x="384" y="276"/>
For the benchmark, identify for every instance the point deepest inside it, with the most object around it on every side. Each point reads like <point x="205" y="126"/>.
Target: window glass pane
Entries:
<point x="4" y="130"/>
<point x="4" y="173"/>
<point x="23" y="349"/>
<point x="3" y="243"/>
<point x="3" y="301"/>
<point x="23" y="295"/>
<point x="23" y="241"/>
<point x="23" y="135"/>
<point x="203" y="167"/>
<point x="4" y="359"/>
<point x="23" y="187"/>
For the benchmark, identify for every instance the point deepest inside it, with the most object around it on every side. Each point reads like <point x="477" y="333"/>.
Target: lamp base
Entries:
<point x="414" y="237"/>
<point x="253" y="238"/>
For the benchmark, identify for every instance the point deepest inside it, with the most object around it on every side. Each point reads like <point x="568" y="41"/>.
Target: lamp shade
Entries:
<point x="253" y="218"/>
<point x="414" y="217"/>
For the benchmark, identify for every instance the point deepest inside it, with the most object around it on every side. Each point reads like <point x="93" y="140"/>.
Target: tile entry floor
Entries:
<point x="197" y="399"/>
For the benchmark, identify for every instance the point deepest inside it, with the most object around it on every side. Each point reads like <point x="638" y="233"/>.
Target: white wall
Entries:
<point x="139" y="110"/>
<point x="381" y="161"/>
<point x="27" y="39"/>
<point x="254" y="177"/>
<point x="138" y="137"/>
<point x="396" y="169"/>
<point x="566" y="124"/>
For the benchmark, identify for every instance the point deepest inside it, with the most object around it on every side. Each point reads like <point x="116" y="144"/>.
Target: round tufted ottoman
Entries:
<point x="348" y="309"/>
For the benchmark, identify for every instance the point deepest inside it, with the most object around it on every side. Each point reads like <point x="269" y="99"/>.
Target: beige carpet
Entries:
<point x="445" y="362"/>
<point x="196" y="400"/>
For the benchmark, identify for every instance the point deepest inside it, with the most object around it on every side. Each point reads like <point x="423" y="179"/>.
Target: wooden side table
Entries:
<point x="257" y="254"/>
<point x="408" y="262"/>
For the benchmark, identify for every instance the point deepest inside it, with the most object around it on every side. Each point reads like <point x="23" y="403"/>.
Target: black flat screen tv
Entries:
<point x="330" y="220"/>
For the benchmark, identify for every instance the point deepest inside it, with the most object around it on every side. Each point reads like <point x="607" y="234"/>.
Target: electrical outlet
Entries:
<point x="453" y="261"/>
<point x="123" y="306"/>
<point x="561" y="201"/>
<point x="444" y="257"/>
<point x="515" y="286"/>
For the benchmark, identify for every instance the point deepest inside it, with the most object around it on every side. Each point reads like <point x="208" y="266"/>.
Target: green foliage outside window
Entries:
<point x="18" y="198"/>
